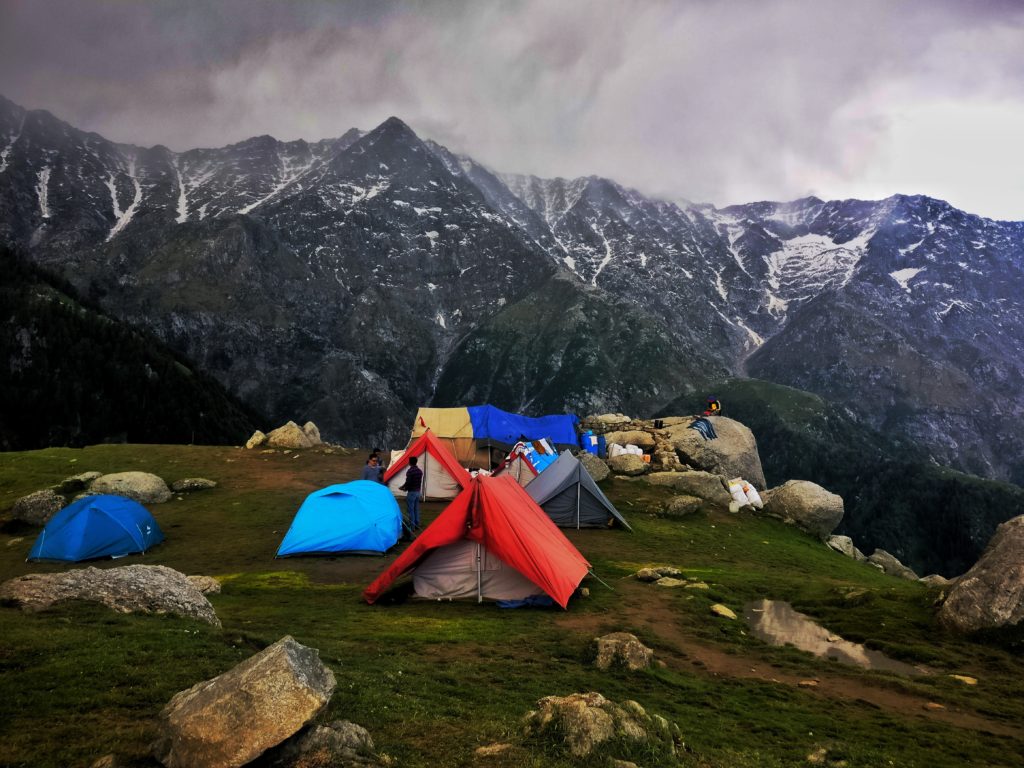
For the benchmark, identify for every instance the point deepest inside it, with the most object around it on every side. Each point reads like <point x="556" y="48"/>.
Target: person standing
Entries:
<point x="412" y="487"/>
<point x="371" y="471"/>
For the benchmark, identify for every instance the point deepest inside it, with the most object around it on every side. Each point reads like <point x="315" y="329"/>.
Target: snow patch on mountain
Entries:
<point x="123" y="217"/>
<point x="904" y="276"/>
<point x="43" y="192"/>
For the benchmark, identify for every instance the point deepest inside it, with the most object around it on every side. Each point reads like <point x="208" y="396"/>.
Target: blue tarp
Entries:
<point x="97" y="526"/>
<point x="361" y="516"/>
<point x="490" y="423"/>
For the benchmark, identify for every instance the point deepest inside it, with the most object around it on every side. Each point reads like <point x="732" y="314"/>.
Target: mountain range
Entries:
<point x="350" y="280"/>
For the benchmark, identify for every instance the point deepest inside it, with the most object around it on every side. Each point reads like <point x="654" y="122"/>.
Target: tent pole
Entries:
<point x="577" y="502"/>
<point x="479" y="576"/>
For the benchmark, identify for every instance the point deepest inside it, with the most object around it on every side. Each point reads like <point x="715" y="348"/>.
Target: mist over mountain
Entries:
<point x="350" y="280"/>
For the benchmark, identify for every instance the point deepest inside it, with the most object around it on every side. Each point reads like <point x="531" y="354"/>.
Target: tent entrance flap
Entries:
<point x="465" y="570"/>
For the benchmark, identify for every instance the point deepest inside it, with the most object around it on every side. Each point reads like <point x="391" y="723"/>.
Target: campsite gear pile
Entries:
<point x="705" y="427"/>
<point x="743" y="494"/>
<point x="714" y="407"/>
<point x="526" y="460"/>
<point x="621" y="450"/>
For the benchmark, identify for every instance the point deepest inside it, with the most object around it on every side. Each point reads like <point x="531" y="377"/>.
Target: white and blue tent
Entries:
<point x="361" y="517"/>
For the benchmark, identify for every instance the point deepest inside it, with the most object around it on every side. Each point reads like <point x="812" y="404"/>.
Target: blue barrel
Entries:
<point x="602" y="446"/>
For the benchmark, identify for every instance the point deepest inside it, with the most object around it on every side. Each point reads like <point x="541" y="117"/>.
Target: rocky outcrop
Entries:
<point x="311" y="431"/>
<point x="623" y="649"/>
<point x="655" y="572"/>
<point x="129" y="589"/>
<point x="339" y="744"/>
<point x="844" y="545"/>
<point x="596" y="466"/>
<point x="582" y="722"/>
<point x="805" y="505"/>
<point x="683" y="506"/>
<point x="190" y="484"/>
<point x="703" y="485"/>
<point x="143" y="487"/>
<point x="891" y="565"/>
<point x="37" y="508"/>
<point x="205" y="584"/>
<point x="76" y="483"/>
<point x="990" y="594"/>
<point x="257" y="439"/>
<point x="732" y="454"/>
<point x="291" y="435"/>
<point x="233" y="718"/>
<point x="628" y="464"/>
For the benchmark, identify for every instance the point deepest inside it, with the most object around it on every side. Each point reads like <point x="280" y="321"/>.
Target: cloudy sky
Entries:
<point x="705" y="100"/>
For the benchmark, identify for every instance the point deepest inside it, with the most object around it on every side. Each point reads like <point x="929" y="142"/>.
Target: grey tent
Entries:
<point x="571" y="498"/>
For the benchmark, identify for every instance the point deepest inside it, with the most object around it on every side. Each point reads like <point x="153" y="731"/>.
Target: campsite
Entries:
<point x="434" y="682"/>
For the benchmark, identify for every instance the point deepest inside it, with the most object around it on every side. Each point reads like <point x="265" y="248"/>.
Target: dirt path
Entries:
<point x="681" y="651"/>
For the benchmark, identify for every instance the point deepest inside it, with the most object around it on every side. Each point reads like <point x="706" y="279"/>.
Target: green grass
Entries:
<point x="434" y="681"/>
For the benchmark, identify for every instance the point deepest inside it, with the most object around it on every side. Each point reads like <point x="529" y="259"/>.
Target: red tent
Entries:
<point x="443" y="476"/>
<point x="499" y="516"/>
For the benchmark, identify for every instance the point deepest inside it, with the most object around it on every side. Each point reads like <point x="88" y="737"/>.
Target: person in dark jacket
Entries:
<point x="412" y="486"/>
<point x="380" y="464"/>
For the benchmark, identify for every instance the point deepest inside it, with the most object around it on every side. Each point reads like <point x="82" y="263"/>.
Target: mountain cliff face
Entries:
<point x="350" y="280"/>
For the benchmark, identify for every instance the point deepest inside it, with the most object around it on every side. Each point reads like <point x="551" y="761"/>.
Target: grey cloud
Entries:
<point x="700" y="100"/>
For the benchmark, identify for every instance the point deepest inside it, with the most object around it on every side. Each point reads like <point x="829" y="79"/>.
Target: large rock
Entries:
<point x="991" y="593"/>
<point x="312" y="432"/>
<point x="205" y="584"/>
<point x="732" y="454"/>
<point x="703" y="485"/>
<point x="339" y="744"/>
<point x="683" y="506"/>
<point x="233" y="718"/>
<point x="129" y="589"/>
<point x="594" y="465"/>
<point x="582" y="722"/>
<point x="624" y="649"/>
<point x="190" y="484"/>
<point x="76" y="483"/>
<point x="628" y="464"/>
<point x="257" y="439"/>
<point x="289" y="436"/>
<point x="806" y="505"/>
<point x="37" y="508"/>
<point x="891" y="565"/>
<point x="635" y="437"/>
<point x="144" y="487"/>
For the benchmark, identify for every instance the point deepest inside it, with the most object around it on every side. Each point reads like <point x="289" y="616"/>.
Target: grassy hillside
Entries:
<point x="936" y="520"/>
<point x="433" y="681"/>
<point x="74" y="376"/>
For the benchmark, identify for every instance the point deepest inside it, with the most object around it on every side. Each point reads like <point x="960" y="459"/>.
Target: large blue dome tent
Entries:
<point x="97" y="526"/>
<point x="361" y="517"/>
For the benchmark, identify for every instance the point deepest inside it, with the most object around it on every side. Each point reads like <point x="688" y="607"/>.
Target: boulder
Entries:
<point x="584" y="721"/>
<point x="628" y="464"/>
<point x="205" y="584"/>
<point x="732" y="454"/>
<point x="935" y="580"/>
<point x="891" y="565"/>
<point x="606" y="421"/>
<point x="339" y="744"/>
<point x="720" y="610"/>
<point x="76" y="483"/>
<point x="190" y="484"/>
<point x="144" y="487"/>
<point x="683" y="506"/>
<point x="635" y="437"/>
<point x="233" y="718"/>
<point x="594" y="465"/>
<point x="805" y="505"/>
<point x="991" y="593"/>
<point x="37" y="508"/>
<point x="312" y="433"/>
<point x="703" y="485"/>
<point x="648" y="574"/>
<point x="257" y="439"/>
<point x="129" y="589"/>
<point x="622" y="648"/>
<point x="844" y="546"/>
<point x="289" y="436"/>
<point x="668" y="581"/>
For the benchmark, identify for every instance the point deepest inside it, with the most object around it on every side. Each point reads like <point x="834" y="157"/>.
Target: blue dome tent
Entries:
<point x="361" y="517"/>
<point x="97" y="526"/>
